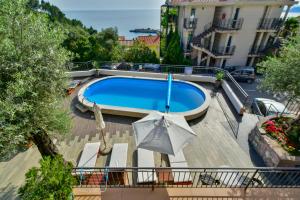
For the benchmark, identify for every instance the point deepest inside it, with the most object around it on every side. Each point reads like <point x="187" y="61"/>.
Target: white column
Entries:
<point x="258" y="43"/>
<point x="264" y="43"/>
<point x="212" y="40"/>
<point x="208" y="61"/>
<point x="221" y="62"/>
<point x="199" y="57"/>
<point x="252" y="61"/>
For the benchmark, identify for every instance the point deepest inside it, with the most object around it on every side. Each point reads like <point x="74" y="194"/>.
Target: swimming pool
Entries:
<point x="130" y="94"/>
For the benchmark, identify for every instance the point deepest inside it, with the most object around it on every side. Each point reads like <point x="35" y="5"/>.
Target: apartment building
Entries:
<point x="229" y="32"/>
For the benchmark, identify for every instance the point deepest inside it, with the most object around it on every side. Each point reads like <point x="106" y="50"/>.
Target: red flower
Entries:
<point x="269" y="123"/>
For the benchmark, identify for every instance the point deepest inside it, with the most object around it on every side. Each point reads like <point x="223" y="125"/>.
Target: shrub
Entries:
<point x="220" y="75"/>
<point x="53" y="180"/>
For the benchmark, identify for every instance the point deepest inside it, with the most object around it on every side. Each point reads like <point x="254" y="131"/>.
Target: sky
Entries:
<point x="67" y="5"/>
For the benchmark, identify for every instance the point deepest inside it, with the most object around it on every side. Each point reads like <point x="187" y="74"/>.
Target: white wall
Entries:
<point x="245" y="37"/>
<point x="227" y="10"/>
<point x="237" y="104"/>
<point x="205" y="15"/>
<point x="275" y="11"/>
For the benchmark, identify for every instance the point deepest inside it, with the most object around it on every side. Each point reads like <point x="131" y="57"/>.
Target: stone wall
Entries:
<point x="271" y="152"/>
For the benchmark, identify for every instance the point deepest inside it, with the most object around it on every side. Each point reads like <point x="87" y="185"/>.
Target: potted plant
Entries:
<point x="219" y="77"/>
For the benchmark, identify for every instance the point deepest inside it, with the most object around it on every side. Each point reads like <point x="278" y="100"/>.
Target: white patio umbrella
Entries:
<point x="100" y="124"/>
<point x="162" y="132"/>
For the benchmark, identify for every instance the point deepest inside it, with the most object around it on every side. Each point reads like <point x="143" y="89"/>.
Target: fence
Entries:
<point x="188" y="177"/>
<point x="163" y="68"/>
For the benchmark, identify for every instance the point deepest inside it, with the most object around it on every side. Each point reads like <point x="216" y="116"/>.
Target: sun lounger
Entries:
<point x="145" y="159"/>
<point x="89" y="155"/>
<point x="119" y="156"/>
<point x="180" y="175"/>
<point x="118" y="160"/>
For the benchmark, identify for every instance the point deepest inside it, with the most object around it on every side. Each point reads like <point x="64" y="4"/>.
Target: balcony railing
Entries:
<point x="188" y="177"/>
<point x="217" y="51"/>
<point x="270" y="24"/>
<point x="224" y="51"/>
<point x="257" y="50"/>
<point x="190" y="23"/>
<point x="229" y="24"/>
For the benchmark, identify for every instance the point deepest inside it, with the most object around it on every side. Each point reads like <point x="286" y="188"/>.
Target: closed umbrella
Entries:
<point x="100" y="124"/>
<point x="162" y="132"/>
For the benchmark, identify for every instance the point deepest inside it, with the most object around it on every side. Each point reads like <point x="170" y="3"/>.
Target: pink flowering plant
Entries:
<point x="280" y="130"/>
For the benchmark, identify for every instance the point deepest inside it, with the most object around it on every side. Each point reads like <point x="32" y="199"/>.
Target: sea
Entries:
<point x="124" y="20"/>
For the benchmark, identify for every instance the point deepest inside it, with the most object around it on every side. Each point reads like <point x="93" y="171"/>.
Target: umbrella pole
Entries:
<point x="104" y="151"/>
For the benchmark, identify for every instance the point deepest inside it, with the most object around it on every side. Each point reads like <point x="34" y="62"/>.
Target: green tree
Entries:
<point x="174" y="53"/>
<point x="33" y="4"/>
<point x="282" y="72"/>
<point x="140" y="53"/>
<point x="32" y="79"/>
<point x="118" y="53"/>
<point x="53" y="180"/>
<point x="103" y="44"/>
<point x="291" y="27"/>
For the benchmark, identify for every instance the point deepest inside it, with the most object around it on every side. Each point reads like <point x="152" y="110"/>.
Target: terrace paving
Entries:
<point x="215" y="145"/>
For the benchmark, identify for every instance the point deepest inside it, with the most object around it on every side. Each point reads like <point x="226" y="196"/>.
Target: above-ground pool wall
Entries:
<point x="237" y="104"/>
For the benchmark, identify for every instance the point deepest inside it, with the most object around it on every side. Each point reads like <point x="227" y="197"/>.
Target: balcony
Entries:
<point x="224" y="51"/>
<point x="229" y="24"/>
<point x="258" y="50"/>
<point x="215" y="51"/>
<point x="190" y="23"/>
<point x="270" y="24"/>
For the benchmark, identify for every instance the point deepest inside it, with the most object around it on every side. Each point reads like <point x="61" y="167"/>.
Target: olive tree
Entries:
<point x="32" y="79"/>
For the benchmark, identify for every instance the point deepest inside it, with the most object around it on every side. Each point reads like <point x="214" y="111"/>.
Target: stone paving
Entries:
<point x="215" y="145"/>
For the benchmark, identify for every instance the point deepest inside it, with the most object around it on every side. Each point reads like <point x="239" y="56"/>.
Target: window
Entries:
<point x="224" y="63"/>
<point x="193" y="12"/>
<point x="236" y="14"/>
<point x="262" y="108"/>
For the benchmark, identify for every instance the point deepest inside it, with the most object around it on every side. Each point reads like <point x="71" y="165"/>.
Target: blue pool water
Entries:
<point x="144" y="94"/>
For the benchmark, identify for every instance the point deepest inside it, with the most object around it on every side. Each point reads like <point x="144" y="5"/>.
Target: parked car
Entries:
<point x="125" y="66"/>
<point x="110" y="66"/>
<point x="231" y="68"/>
<point x="245" y="74"/>
<point x="152" y="67"/>
<point x="267" y="107"/>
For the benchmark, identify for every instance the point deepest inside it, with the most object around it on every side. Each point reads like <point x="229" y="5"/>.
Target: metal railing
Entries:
<point x="258" y="50"/>
<point x="229" y="24"/>
<point x="224" y="51"/>
<point x="188" y="177"/>
<point x="164" y="68"/>
<point x="190" y="23"/>
<point x="270" y="24"/>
